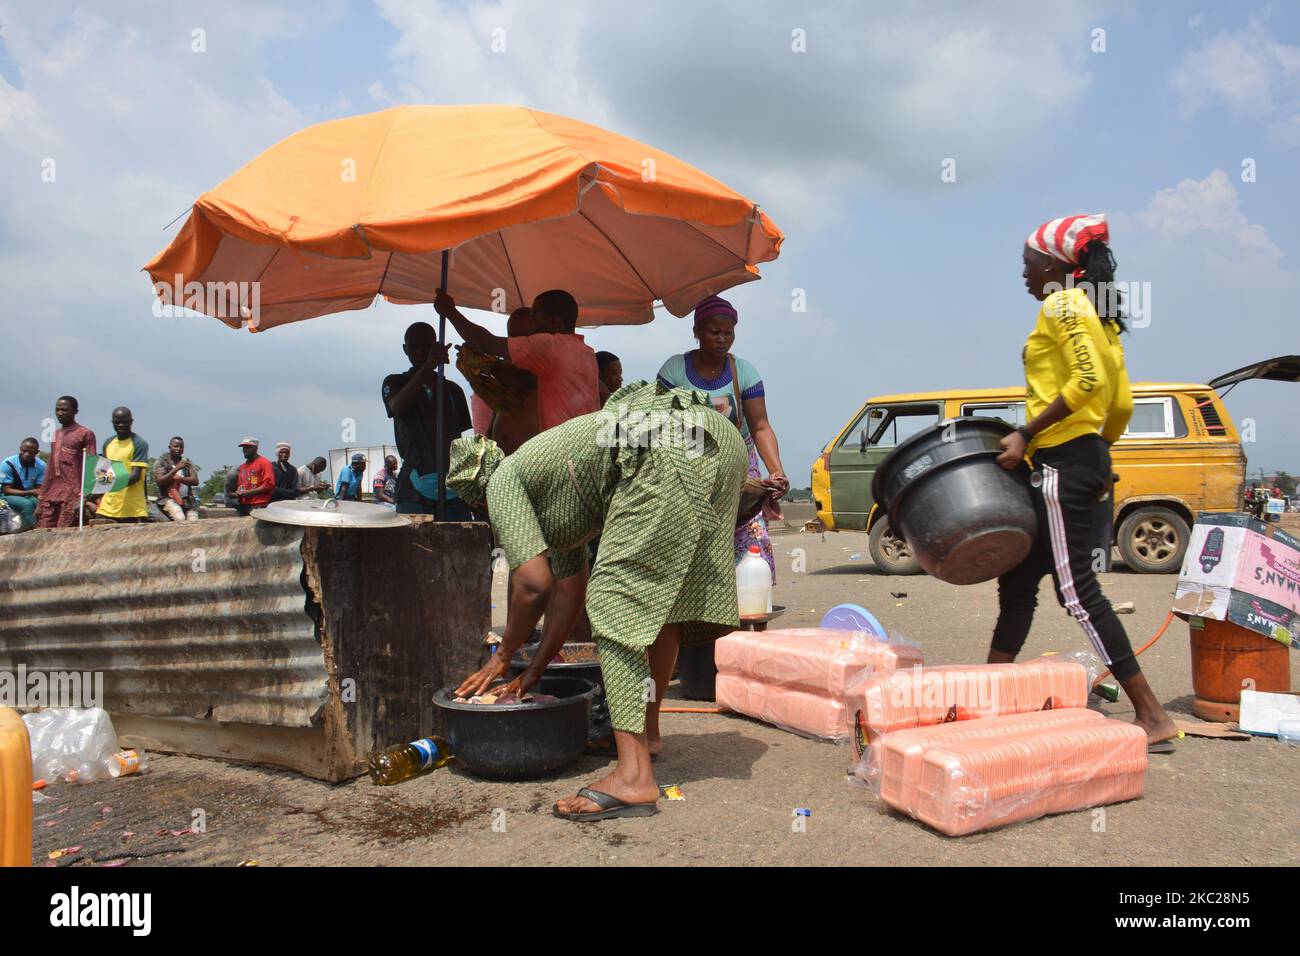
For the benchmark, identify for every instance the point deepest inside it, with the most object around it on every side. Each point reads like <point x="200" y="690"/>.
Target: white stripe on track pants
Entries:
<point x="1065" y="485"/>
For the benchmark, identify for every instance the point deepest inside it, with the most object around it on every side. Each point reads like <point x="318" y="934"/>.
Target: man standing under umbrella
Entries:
<point x="411" y="401"/>
<point x="565" y="365"/>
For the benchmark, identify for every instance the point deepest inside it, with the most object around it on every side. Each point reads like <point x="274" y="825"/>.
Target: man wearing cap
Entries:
<point x="286" y="475"/>
<point x="256" y="480"/>
<point x="349" y="483"/>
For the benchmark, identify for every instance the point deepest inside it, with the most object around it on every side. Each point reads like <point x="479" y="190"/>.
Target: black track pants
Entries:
<point x="1065" y="485"/>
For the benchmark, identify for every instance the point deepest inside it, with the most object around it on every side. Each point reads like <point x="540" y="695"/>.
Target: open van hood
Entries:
<point x="1284" y="368"/>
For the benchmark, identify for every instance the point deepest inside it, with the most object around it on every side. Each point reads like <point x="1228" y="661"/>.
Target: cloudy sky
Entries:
<point x="1179" y="120"/>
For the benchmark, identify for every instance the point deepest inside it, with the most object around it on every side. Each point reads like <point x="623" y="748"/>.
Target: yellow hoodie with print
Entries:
<point x="1074" y="354"/>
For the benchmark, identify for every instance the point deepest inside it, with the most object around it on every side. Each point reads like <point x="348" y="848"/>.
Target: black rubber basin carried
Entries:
<point x="520" y="741"/>
<point x="965" y="517"/>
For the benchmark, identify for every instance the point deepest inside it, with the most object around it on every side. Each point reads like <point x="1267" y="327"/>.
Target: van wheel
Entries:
<point x="890" y="552"/>
<point x="1153" y="541"/>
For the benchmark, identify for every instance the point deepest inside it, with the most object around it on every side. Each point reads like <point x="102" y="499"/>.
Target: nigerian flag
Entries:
<point x="102" y="475"/>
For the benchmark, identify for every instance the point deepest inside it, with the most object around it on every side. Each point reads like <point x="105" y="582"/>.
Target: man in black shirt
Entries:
<point x="286" y="474"/>
<point x="411" y="400"/>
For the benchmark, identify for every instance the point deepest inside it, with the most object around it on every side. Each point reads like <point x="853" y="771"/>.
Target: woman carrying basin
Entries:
<point x="1077" y="404"/>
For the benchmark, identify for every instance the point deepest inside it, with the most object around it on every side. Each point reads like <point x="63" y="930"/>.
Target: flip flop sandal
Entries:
<point x="610" y="807"/>
<point x="1162" y="747"/>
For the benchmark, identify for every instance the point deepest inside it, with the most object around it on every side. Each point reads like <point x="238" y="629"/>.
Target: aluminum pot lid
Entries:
<point x="331" y="513"/>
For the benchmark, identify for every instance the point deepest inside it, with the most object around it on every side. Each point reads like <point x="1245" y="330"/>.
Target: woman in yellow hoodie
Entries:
<point x="1077" y="404"/>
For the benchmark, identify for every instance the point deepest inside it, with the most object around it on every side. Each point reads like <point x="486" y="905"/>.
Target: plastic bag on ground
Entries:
<point x="891" y="766"/>
<point x="925" y="696"/>
<point x="966" y="786"/>
<point x="76" y="745"/>
<point x="798" y="678"/>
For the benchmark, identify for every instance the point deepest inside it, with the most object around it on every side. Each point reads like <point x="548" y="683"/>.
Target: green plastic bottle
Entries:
<point x="409" y="760"/>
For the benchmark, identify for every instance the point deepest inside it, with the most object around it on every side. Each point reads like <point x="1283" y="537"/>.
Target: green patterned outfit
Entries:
<point x="657" y="473"/>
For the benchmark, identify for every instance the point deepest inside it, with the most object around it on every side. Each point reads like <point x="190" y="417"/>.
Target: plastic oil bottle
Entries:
<point x="753" y="584"/>
<point x="409" y="760"/>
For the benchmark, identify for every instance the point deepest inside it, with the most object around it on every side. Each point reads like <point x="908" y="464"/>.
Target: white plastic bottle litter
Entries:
<point x="753" y="584"/>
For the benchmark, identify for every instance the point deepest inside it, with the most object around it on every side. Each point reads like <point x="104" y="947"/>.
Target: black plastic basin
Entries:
<point x="965" y="517"/>
<point x="520" y="741"/>
<point x="584" y="669"/>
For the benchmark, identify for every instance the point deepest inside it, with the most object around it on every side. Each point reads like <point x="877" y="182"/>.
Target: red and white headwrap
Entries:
<point x="1064" y="239"/>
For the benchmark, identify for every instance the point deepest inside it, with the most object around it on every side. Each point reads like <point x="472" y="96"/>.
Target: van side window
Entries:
<point x="1013" y="413"/>
<point x="900" y="424"/>
<point x="1156" y="418"/>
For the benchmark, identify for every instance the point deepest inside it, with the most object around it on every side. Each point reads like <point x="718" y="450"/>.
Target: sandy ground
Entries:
<point x="1213" y="802"/>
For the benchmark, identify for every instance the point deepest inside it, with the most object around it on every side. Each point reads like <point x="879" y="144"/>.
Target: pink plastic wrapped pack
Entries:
<point x="892" y="764"/>
<point x="924" y="696"/>
<point x="798" y="678"/>
<point x="975" y="784"/>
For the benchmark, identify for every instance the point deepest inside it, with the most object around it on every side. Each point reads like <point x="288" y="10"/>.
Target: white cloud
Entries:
<point x="1250" y="72"/>
<point x="1210" y="205"/>
<point x="880" y="97"/>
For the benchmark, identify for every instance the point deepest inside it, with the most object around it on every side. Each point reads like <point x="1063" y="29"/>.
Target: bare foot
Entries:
<point x="655" y="744"/>
<point x="627" y="791"/>
<point x="1159" y="726"/>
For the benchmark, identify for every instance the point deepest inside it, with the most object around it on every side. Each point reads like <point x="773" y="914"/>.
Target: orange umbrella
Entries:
<point x="345" y="211"/>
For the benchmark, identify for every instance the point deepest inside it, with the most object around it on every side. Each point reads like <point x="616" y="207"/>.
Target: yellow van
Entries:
<point x="1180" y="455"/>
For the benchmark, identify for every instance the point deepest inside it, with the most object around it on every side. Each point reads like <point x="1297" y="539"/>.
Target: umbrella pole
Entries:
<point x="439" y="451"/>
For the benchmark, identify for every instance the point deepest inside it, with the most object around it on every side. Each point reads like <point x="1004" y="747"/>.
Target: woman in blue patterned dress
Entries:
<point x="709" y="369"/>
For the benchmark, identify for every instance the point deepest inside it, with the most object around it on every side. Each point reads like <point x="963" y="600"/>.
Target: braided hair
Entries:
<point x="1096" y="276"/>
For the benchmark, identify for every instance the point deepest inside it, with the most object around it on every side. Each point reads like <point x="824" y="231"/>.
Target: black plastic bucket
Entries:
<point x="520" y="741"/>
<point x="966" y="518"/>
<point x="697" y="674"/>
<point x="582" y="669"/>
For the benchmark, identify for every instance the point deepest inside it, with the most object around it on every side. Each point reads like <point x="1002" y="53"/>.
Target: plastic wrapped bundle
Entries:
<point x="798" y="678"/>
<point x="924" y="696"/>
<point x="979" y="783"/>
<point x="891" y="767"/>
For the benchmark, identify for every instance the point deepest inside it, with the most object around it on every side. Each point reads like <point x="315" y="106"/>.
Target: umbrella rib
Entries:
<point x="511" y="266"/>
<point x="613" y="245"/>
<point x="387" y="265"/>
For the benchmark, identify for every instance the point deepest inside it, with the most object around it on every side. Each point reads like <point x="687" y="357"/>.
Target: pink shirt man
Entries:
<point x="567" y="375"/>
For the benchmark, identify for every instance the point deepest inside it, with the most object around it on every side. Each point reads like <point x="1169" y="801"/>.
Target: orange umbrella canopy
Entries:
<point x="345" y="211"/>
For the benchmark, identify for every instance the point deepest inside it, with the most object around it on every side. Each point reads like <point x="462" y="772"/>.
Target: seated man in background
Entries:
<point x="286" y="475"/>
<point x="176" y="478"/>
<point x="348" y="487"/>
<point x="20" y="481"/>
<point x="256" y="480"/>
<point x="384" y="487"/>
<point x="309" y="482"/>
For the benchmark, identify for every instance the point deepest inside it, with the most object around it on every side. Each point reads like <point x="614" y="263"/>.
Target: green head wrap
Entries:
<point x="472" y="462"/>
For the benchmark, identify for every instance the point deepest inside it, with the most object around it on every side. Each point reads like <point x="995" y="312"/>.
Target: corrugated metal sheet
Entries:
<point x="206" y="619"/>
